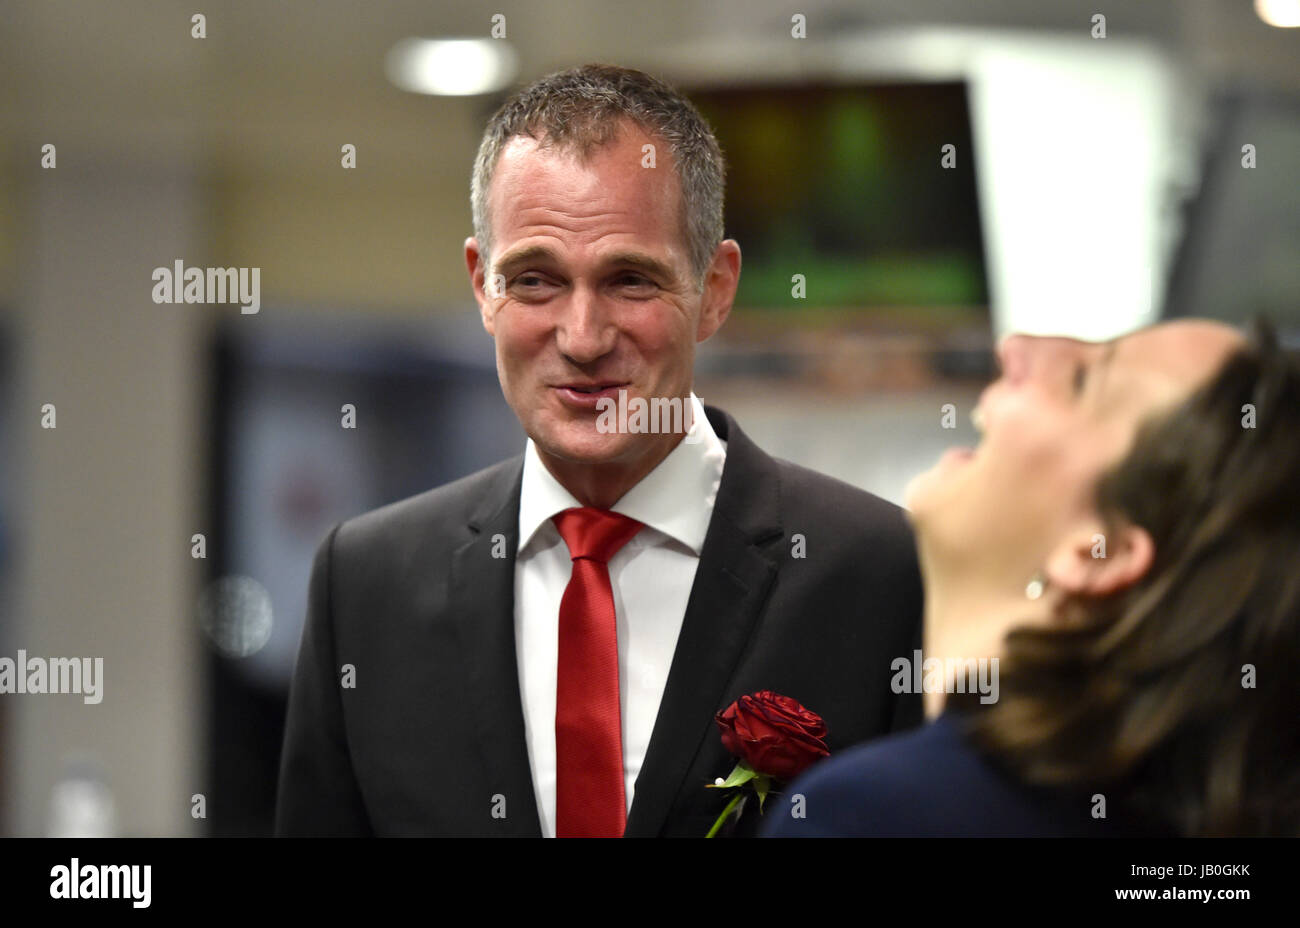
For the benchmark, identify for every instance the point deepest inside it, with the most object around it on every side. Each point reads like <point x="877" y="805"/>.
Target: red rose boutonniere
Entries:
<point x="772" y="737"/>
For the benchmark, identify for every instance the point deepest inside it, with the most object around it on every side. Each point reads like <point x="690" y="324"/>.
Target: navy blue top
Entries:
<point x="931" y="782"/>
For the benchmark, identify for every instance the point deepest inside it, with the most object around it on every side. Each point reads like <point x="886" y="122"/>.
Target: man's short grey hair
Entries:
<point x="583" y="109"/>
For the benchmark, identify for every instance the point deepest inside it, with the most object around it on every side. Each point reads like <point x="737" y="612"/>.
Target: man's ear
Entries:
<point x="1094" y="562"/>
<point x="720" y="282"/>
<point x="477" y="281"/>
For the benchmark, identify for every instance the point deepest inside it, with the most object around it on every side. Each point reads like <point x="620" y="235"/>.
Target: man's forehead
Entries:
<point x="624" y="140"/>
<point x="536" y="188"/>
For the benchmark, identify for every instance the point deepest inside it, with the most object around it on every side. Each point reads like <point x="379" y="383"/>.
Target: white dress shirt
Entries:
<point x="651" y="577"/>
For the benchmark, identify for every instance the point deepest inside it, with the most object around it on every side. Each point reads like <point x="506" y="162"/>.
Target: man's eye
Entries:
<point x="531" y="286"/>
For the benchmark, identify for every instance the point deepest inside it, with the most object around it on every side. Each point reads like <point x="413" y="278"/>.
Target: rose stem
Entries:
<point x="725" y="812"/>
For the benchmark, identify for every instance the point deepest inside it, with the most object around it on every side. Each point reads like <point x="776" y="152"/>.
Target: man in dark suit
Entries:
<point x="540" y="648"/>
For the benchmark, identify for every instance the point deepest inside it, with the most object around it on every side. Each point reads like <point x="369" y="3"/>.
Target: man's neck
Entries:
<point x="602" y="485"/>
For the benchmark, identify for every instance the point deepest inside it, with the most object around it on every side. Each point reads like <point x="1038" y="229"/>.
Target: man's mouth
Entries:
<point x="585" y="395"/>
<point x="589" y="387"/>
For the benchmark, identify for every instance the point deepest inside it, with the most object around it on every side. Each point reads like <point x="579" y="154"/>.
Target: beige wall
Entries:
<point x="391" y="245"/>
<point x="111" y="494"/>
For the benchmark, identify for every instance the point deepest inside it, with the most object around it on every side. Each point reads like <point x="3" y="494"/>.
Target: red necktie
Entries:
<point x="590" y="801"/>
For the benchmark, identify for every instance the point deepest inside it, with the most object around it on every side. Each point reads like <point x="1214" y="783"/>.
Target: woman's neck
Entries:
<point x="968" y="618"/>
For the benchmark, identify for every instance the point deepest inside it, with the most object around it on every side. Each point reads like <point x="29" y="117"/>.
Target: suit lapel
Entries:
<point x="482" y="597"/>
<point x="731" y="586"/>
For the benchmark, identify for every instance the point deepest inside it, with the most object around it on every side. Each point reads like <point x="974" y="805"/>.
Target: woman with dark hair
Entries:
<point x="1122" y="554"/>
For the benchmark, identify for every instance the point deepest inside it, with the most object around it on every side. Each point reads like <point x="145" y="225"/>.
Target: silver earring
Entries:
<point x="1036" y="586"/>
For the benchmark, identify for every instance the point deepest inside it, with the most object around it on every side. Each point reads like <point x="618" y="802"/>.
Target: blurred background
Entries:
<point x="908" y="180"/>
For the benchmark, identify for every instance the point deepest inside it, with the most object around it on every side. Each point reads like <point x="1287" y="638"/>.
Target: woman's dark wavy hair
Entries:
<point x="1180" y="695"/>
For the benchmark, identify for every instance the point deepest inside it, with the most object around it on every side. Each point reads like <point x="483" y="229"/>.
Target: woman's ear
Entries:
<point x="1095" y="562"/>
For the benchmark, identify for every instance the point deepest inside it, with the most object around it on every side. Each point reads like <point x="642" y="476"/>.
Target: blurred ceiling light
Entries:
<point x="1285" y="14"/>
<point x="452" y="67"/>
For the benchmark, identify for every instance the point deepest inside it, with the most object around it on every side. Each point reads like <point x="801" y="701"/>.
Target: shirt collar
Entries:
<point x="668" y="499"/>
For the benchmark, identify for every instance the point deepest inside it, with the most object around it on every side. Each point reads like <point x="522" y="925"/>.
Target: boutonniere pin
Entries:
<point x="772" y="737"/>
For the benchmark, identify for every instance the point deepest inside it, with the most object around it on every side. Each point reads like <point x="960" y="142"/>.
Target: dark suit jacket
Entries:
<point x="429" y="739"/>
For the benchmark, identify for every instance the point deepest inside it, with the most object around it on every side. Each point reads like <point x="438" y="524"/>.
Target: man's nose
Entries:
<point x="585" y="331"/>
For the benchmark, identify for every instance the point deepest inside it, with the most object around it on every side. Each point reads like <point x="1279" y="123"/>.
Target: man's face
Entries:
<point x="590" y="291"/>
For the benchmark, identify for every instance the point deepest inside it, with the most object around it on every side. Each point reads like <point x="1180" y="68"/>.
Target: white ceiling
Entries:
<point x="276" y="81"/>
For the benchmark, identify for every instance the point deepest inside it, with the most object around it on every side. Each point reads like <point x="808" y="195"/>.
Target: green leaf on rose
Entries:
<point x="762" y="785"/>
<point x="741" y="774"/>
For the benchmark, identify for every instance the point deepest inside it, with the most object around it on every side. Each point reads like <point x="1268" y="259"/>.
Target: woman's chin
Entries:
<point x="917" y="494"/>
<point x="931" y="490"/>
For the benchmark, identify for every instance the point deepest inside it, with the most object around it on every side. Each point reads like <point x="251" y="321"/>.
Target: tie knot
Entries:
<point x="594" y="534"/>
